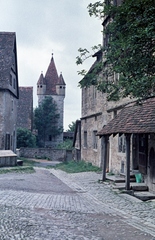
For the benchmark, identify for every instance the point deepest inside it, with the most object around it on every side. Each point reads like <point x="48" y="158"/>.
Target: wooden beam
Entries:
<point x="127" y="176"/>
<point x="105" y="140"/>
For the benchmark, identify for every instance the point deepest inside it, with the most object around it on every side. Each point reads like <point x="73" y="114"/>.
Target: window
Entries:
<point x="85" y="139"/>
<point x="106" y="40"/>
<point x="10" y="79"/>
<point x="85" y="95"/>
<point x="11" y="140"/>
<point x="121" y="143"/>
<point x="94" y="93"/>
<point x="14" y="83"/>
<point x="114" y="113"/>
<point x="94" y="140"/>
<point x="107" y="2"/>
<point x="51" y="138"/>
<point x="12" y="104"/>
<point x="7" y="141"/>
<point x="116" y="77"/>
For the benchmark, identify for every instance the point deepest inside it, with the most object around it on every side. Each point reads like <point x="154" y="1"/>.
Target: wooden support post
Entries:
<point x="104" y="158"/>
<point x="127" y="179"/>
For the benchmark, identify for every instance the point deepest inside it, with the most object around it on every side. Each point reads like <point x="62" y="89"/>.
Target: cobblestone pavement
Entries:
<point x="53" y="205"/>
<point x="138" y="213"/>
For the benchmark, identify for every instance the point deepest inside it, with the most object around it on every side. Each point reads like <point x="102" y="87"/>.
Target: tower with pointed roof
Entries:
<point x="52" y="85"/>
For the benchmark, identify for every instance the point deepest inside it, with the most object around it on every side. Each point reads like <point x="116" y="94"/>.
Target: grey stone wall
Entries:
<point x="8" y="116"/>
<point x="51" y="154"/>
<point x="97" y="112"/>
<point x="94" y="117"/>
<point x="8" y="161"/>
<point x="25" y="108"/>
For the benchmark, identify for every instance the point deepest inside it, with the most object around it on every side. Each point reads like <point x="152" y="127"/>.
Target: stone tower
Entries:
<point x="53" y="85"/>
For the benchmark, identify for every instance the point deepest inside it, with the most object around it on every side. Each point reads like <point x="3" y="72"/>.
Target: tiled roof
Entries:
<point x="6" y="54"/>
<point x="61" y="80"/>
<point x="135" y="118"/>
<point x="8" y="60"/>
<point x="51" y="78"/>
<point x="41" y="79"/>
<point x="95" y="67"/>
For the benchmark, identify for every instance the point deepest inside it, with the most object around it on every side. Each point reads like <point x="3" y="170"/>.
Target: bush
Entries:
<point x="67" y="144"/>
<point x="25" y="138"/>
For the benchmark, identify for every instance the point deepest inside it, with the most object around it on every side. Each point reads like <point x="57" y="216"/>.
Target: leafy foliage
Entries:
<point x="46" y="120"/>
<point x="71" y="127"/>
<point x="67" y="144"/>
<point x="25" y="138"/>
<point x="130" y="49"/>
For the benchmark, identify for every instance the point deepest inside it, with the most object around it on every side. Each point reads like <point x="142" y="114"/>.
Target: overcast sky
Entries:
<point x="44" y="27"/>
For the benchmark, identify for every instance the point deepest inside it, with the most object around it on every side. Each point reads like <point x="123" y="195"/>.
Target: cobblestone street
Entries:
<point x="53" y="205"/>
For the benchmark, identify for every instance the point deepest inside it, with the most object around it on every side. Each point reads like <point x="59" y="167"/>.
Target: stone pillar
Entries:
<point x="104" y="156"/>
<point x="127" y="176"/>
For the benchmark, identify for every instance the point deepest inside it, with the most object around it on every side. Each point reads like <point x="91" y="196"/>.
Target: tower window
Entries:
<point x="60" y="86"/>
<point x="41" y="86"/>
<point x="14" y="83"/>
<point x="10" y="79"/>
<point x="94" y="139"/>
<point x="85" y="139"/>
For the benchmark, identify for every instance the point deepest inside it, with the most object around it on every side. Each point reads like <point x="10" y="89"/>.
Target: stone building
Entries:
<point x="53" y="85"/>
<point x="119" y="136"/>
<point x="25" y="108"/>
<point x="97" y="111"/>
<point x="9" y="92"/>
<point x="136" y="121"/>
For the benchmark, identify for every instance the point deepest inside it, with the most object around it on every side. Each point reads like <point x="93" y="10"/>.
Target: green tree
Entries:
<point x="25" y="138"/>
<point x="130" y="50"/>
<point x="46" y="120"/>
<point x="71" y="127"/>
<point x="67" y="144"/>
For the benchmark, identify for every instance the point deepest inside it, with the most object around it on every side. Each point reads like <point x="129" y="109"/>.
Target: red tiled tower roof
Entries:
<point x="41" y="79"/>
<point x="61" y="80"/>
<point x="51" y="78"/>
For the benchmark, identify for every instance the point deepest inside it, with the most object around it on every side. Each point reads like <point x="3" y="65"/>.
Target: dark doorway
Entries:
<point x="139" y="152"/>
<point x="152" y="165"/>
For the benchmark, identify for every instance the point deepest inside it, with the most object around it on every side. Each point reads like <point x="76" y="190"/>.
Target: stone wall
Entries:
<point x="7" y="158"/>
<point x="94" y="117"/>
<point x="8" y="116"/>
<point x="25" y="108"/>
<point x="44" y="153"/>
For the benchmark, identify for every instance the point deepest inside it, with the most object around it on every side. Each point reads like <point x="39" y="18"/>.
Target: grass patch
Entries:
<point x="26" y="169"/>
<point x="75" y="167"/>
<point x="28" y="162"/>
